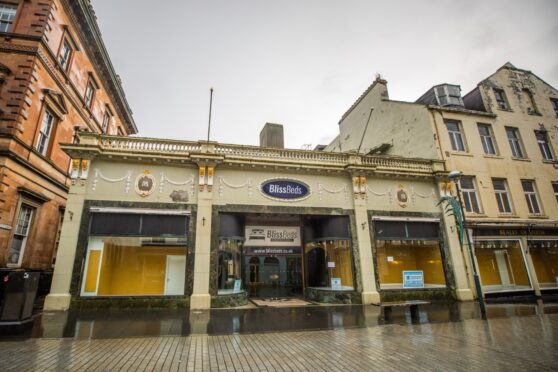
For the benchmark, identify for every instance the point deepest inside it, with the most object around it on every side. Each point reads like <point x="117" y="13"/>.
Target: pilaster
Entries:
<point x="370" y="293"/>
<point x="201" y="299"/>
<point x="460" y="259"/>
<point x="60" y="297"/>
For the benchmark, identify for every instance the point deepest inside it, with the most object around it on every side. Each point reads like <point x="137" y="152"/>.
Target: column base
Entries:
<point x="370" y="298"/>
<point x="464" y="295"/>
<point x="200" y="302"/>
<point x="57" y="302"/>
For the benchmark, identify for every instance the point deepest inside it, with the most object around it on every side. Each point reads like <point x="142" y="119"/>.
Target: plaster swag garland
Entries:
<point x="343" y="189"/>
<point x="414" y="194"/>
<point x="127" y="177"/>
<point x="164" y="179"/>
<point x="388" y="192"/>
<point x="223" y="183"/>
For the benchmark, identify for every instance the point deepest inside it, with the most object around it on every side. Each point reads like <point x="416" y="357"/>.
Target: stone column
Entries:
<point x="370" y="293"/>
<point x="460" y="260"/>
<point x="201" y="299"/>
<point x="59" y="297"/>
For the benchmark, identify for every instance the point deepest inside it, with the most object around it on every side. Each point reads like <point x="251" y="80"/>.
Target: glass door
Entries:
<point x="273" y="276"/>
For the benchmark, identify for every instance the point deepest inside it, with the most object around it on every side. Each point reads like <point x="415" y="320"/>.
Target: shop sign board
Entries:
<point x="413" y="279"/>
<point x="512" y="231"/>
<point x="274" y="251"/>
<point x="285" y="189"/>
<point x="272" y="236"/>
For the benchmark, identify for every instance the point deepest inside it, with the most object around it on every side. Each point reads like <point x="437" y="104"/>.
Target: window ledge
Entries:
<point x="536" y="113"/>
<point x="510" y="215"/>
<point x="461" y="153"/>
<point x="505" y="109"/>
<point x="539" y="216"/>
<point x="475" y="215"/>
<point x="493" y="156"/>
<point x="520" y="159"/>
<point x="550" y="161"/>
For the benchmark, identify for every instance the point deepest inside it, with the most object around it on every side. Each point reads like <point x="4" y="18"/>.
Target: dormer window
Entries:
<point x="7" y="16"/>
<point x="449" y="95"/>
<point x="530" y="101"/>
<point x="554" y="102"/>
<point x="501" y="100"/>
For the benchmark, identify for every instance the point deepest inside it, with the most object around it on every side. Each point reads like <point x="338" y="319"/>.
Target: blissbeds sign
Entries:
<point x="285" y="189"/>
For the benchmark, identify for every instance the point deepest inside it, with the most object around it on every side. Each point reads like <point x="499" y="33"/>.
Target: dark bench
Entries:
<point x="413" y="305"/>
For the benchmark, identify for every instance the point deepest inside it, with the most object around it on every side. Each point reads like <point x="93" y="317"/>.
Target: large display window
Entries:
<point x="135" y="254"/>
<point x="409" y="254"/>
<point x="544" y="254"/>
<point x="329" y="264"/>
<point x="229" y="265"/>
<point x="398" y="256"/>
<point x="501" y="265"/>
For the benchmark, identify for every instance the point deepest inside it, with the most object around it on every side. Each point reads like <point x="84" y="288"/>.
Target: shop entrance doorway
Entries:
<point x="273" y="276"/>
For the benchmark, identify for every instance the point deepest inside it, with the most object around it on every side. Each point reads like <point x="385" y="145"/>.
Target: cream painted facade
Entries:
<point x="510" y="103"/>
<point x="210" y="181"/>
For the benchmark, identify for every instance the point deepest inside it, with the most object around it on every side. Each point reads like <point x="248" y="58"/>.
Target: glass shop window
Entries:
<point x="135" y="255"/>
<point x="396" y="256"/>
<point x="329" y="264"/>
<point x="501" y="265"/>
<point x="229" y="261"/>
<point x="544" y="254"/>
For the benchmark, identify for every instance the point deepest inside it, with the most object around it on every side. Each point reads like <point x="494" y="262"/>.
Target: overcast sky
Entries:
<point x="302" y="63"/>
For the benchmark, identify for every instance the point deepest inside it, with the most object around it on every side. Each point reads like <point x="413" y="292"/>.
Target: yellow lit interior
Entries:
<point x="130" y="270"/>
<point x="92" y="271"/>
<point x="408" y="257"/>
<point x="488" y="267"/>
<point x="340" y="253"/>
<point x="545" y="261"/>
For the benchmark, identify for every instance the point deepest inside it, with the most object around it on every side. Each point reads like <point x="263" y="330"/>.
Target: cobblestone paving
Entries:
<point x="515" y="343"/>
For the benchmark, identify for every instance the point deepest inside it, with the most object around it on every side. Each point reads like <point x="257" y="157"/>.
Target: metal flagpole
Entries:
<point x="210" y="106"/>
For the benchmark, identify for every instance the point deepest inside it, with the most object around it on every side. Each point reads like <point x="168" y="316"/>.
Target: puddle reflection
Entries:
<point x="97" y="324"/>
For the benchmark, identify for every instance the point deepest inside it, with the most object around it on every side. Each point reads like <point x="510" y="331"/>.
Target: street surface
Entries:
<point x="528" y="343"/>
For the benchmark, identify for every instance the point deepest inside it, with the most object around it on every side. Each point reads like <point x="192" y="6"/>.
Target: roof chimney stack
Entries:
<point x="272" y="136"/>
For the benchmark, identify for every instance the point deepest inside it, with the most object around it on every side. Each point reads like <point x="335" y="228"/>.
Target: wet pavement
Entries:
<point x="511" y="343"/>
<point x="105" y="324"/>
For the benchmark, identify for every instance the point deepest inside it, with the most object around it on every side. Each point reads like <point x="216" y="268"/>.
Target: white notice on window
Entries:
<point x="390" y="258"/>
<point x="331" y="265"/>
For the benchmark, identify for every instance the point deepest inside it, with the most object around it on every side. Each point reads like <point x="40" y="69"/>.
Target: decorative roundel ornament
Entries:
<point x="145" y="183"/>
<point x="402" y="197"/>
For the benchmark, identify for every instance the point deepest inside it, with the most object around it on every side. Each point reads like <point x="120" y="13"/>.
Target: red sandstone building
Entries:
<point x="55" y="77"/>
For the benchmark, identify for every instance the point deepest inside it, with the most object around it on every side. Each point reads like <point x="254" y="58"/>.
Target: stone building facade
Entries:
<point x="202" y="224"/>
<point x="503" y="137"/>
<point x="55" y="78"/>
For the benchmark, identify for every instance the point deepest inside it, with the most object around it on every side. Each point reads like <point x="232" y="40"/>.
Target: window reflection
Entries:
<point x="229" y="261"/>
<point x="501" y="265"/>
<point x="545" y="260"/>
<point x="396" y="256"/>
<point x="327" y="260"/>
<point x="125" y="266"/>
